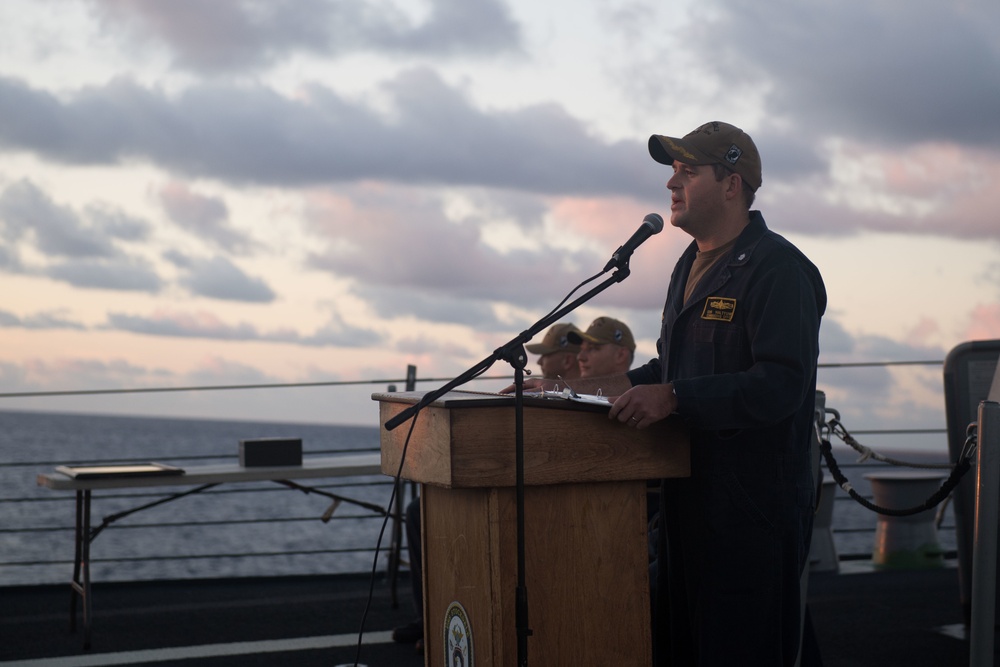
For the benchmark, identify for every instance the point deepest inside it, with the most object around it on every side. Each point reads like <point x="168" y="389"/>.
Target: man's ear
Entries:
<point x="734" y="186"/>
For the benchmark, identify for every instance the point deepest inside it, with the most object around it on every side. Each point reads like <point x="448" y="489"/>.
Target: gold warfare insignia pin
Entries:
<point x="683" y="152"/>
<point x="719" y="308"/>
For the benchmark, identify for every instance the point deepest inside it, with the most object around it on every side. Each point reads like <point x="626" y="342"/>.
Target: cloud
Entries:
<point x="9" y="258"/>
<point x="197" y="325"/>
<point x="251" y="134"/>
<point x="841" y="349"/>
<point x="42" y="320"/>
<point x="110" y="220"/>
<point x="907" y="394"/>
<point x="66" y="373"/>
<point x="219" y="278"/>
<point x="216" y="370"/>
<point x="876" y="104"/>
<point x="55" y="230"/>
<point x="336" y="332"/>
<point x="877" y="71"/>
<point x="234" y="35"/>
<point x="984" y="322"/>
<point x="204" y="216"/>
<point x="402" y="301"/>
<point x="134" y="275"/>
<point x="82" y="250"/>
<point x="419" y="249"/>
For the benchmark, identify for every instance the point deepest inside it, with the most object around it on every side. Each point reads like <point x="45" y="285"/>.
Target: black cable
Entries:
<point x="381" y="533"/>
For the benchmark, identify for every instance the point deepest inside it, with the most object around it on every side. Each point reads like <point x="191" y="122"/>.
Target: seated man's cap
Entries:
<point x="556" y="340"/>
<point x="605" y="330"/>
<point x="712" y="143"/>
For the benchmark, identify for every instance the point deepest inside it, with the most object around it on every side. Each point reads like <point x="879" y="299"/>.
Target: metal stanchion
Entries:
<point x="984" y="549"/>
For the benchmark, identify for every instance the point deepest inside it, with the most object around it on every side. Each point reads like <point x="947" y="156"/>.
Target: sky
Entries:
<point x="244" y="192"/>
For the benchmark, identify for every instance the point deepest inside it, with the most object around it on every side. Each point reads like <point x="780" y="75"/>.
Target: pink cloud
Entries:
<point x="606" y="218"/>
<point x="954" y="185"/>
<point x="985" y="322"/>
<point x="924" y="332"/>
<point x="190" y="208"/>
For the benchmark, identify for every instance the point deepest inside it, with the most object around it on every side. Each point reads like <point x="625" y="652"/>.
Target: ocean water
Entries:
<point x="211" y="534"/>
<point x="36" y="523"/>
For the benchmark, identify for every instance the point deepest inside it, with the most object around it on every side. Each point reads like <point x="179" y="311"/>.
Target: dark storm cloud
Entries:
<point x="234" y="35"/>
<point x="251" y="134"/>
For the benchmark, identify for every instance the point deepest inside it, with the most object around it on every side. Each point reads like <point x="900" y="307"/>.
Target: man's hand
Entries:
<point x="644" y="404"/>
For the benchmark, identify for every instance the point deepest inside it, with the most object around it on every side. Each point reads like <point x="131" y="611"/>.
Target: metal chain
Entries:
<point x="838" y="429"/>
<point x="957" y="471"/>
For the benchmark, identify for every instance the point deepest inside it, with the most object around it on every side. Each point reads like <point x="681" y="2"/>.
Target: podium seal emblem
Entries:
<point x="457" y="637"/>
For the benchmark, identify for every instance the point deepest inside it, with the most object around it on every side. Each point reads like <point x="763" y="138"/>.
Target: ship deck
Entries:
<point x="862" y="617"/>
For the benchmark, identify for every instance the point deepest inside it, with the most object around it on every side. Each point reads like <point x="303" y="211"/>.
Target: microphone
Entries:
<point x="651" y="224"/>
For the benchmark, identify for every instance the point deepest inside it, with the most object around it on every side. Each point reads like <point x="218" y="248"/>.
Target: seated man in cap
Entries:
<point x="558" y="360"/>
<point x="606" y="348"/>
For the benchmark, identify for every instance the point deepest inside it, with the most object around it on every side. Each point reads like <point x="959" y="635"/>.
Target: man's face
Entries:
<point x="597" y="360"/>
<point x="696" y="198"/>
<point x="559" y="364"/>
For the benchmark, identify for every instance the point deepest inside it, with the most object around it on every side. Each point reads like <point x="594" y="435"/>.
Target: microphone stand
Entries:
<point x="513" y="352"/>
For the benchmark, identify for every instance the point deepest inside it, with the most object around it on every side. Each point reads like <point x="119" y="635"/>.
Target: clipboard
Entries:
<point x="119" y="470"/>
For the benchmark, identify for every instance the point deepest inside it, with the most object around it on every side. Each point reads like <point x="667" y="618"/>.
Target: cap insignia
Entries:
<point x="733" y="154"/>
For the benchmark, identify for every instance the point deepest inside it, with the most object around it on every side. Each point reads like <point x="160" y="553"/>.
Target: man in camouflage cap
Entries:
<point x="606" y="348"/>
<point x="558" y="353"/>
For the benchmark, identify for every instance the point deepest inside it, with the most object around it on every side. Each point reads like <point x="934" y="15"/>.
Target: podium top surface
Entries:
<point x="452" y="399"/>
<point x="473" y="399"/>
<point x="465" y="439"/>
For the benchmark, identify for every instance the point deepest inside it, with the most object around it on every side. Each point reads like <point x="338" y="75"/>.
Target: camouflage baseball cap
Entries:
<point x="605" y="330"/>
<point x="712" y="143"/>
<point x="556" y="340"/>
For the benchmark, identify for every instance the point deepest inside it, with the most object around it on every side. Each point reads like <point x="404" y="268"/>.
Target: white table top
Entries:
<point x="344" y="465"/>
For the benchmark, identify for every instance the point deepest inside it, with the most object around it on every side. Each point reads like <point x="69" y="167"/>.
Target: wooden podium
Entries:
<point x="586" y="554"/>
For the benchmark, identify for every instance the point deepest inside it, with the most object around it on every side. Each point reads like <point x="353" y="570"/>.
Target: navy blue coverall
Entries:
<point x="742" y="355"/>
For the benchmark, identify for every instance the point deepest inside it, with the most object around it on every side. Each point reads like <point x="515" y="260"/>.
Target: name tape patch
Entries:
<point x="719" y="308"/>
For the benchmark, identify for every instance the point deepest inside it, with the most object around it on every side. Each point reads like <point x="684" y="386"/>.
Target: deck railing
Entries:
<point x="194" y="552"/>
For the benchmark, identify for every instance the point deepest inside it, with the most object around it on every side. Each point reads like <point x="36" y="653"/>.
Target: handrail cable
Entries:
<point x="344" y="383"/>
